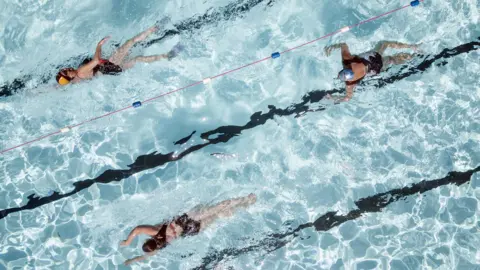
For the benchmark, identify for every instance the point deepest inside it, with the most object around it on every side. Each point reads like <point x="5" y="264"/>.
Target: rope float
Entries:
<point x="208" y="80"/>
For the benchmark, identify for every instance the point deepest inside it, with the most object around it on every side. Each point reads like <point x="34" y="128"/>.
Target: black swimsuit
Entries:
<point x="372" y="60"/>
<point x="107" y="68"/>
<point x="189" y="226"/>
<point x="162" y="233"/>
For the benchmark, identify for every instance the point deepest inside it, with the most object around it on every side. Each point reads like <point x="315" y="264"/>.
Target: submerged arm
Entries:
<point x="139" y="258"/>
<point x="347" y="96"/>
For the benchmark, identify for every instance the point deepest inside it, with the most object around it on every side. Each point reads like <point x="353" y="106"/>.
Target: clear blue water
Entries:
<point x="418" y="128"/>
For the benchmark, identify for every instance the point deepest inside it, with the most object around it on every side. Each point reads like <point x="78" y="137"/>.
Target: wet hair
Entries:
<point x="149" y="245"/>
<point x="63" y="73"/>
<point x="153" y="244"/>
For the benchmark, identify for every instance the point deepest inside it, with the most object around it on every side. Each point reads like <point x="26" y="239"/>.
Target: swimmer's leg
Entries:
<point x="383" y="45"/>
<point x="222" y="209"/>
<point x="397" y="59"/>
<point x="119" y="55"/>
<point x="144" y="59"/>
<point x="148" y="59"/>
<point x="226" y="210"/>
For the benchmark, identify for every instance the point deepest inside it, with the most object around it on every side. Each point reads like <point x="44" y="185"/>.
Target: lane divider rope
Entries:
<point x="208" y="80"/>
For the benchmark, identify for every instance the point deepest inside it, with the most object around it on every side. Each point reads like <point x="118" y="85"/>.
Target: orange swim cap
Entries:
<point x="63" y="81"/>
<point x="62" y="77"/>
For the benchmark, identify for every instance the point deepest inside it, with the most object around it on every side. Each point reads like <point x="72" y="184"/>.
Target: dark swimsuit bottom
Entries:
<point x="107" y="68"/>
<point x="189" y="227"/>
<point x="373" y="62"/>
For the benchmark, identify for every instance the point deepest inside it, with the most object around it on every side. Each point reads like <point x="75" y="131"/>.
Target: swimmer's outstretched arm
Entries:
<point x="343" y="46"/>
<point x="142" y="229"/>
<point x="96" y="58"/>
<point x="139" y="258"/>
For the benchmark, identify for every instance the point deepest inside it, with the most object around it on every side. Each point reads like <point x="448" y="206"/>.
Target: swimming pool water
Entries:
<point x="117" y="173"/>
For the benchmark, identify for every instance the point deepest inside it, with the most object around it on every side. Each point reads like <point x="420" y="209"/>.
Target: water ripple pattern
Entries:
<point x="310" y="163"/>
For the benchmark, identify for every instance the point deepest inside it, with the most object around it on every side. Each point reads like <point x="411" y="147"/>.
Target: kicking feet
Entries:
<point x="252" y="198"/>
<point x="416" y="48"/>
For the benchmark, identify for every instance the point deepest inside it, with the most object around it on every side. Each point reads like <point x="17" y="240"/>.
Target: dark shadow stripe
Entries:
<point x="372" y="204"/>
<point x="223" y="135"/>
<point x="184" y="140"/>
<point x="231" y="11"/>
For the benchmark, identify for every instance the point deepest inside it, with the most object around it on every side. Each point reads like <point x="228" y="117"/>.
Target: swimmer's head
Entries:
<point x="153" y="244"/>
<point x="66" y="75"/>
<point x="346" y="74"/>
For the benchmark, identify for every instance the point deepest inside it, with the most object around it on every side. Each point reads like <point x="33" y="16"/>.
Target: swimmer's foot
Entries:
<point x="247" y="200"/>
<point x="142" y="36"/>
<point x="174" y="51"/>
<point x="164" y="21"/>
<point x="252" y="198"/>
<point x="416" y="48"/>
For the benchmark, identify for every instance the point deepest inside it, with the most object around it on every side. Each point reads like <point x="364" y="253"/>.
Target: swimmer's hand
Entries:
<point x="345" y="99"/>
<point x="337" y="100"/>
<point x="136" y="259"/>
<point x="124" y="243"/>
<point x="105" y="39"/>
<point x="328" y="50"/>
<point x="252" y="198"/>
<point x="98" y="52"/>
<point x="416" y="48"/>
<point x="341" y="99"/>
<point x="140" y="258"/>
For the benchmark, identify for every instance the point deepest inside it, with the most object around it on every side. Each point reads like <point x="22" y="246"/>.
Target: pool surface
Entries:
<point x="388" y="180"/>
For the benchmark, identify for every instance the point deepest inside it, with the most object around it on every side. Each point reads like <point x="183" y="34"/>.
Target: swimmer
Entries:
<point x="115" y="64"/>
<point x="356" y="67"/>
<point x="188" y="224"/>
